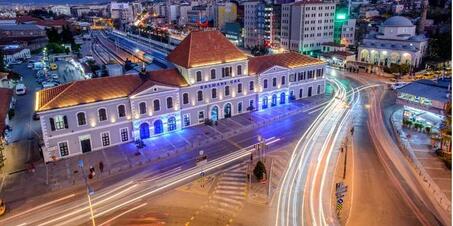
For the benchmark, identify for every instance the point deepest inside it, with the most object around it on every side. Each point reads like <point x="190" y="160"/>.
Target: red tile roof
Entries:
<point x="87" y="91"/>
<point x="166" y="77"/>
<point x="106" y="88"/>
<point x="5" y="101"/>
<point x="204" y="48"/>
<point x="289" y="60"/>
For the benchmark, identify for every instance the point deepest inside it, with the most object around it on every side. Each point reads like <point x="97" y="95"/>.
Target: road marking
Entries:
<point x="123" y="213"/>
<point x="39" y="207"/>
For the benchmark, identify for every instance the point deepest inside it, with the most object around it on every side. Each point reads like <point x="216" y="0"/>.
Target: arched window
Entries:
<point x="227" y="90"/>
<point x="102" y="114"/>
<point x="169" y="102"/>
<point x="156" y="104"/>
<point x="283" y="80"/>
<point x="81" y="119"/>
<point x="240" y="88"/>
<point x="274" y="82"/>
<point x="212" y="73"/>
<point x="251" y="86"/>
<point x="142" y="108"/>
<point x="265" y="83"/>
<point x="185" y="98"/>
<point x="214" y="93"/>
<point x="199" y="78"/>
<point x="239" y="69"/>
<point x="121" y="111"/>
<point x="200" y="95"/>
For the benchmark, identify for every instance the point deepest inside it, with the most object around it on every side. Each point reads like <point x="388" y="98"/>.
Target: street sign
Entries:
<point x="340" y="201"/>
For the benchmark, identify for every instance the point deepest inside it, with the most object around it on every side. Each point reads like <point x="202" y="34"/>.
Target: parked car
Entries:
<point x="20" y="89"/>
<point x="53" y="66"/>
<point x="48" y="84"/>
<point x="398" y="85"/>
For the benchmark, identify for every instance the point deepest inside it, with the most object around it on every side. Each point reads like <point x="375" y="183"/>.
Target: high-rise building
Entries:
<point x="261" y="24"/>
<point x="224" y="13"/>
<point x="306" y="24"/>
<point x="344" y="27"/>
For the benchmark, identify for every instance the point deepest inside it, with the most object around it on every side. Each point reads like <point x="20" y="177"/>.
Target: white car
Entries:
<point x="398" y="85"/>
<point x="20" y="89"/>
<point x="48" y="85"/>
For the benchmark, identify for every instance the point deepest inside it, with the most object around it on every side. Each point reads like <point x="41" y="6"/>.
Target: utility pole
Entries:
<point x="90" y="192"/>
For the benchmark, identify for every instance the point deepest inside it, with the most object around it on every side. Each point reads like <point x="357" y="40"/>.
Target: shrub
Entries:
<point x="259" y="170"/>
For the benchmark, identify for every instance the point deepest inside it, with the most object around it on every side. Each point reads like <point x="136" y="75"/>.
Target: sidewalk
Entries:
<point x="418" y="149"/>
<point x="66" y="173"/>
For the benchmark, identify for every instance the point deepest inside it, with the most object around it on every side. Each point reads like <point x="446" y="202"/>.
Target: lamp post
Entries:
<point x="90" y="192"/>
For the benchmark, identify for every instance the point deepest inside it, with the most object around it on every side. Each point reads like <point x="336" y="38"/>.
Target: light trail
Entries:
<point x="116" y="197"/>
<point x="301" y="198"/>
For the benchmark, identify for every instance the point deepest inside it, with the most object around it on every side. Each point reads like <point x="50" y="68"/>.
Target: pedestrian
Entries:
<point x="92" y="173"/>
<point x="101" y="167"/>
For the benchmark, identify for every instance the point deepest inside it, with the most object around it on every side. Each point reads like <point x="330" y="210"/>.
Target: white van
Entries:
<point x="20" y="89"/>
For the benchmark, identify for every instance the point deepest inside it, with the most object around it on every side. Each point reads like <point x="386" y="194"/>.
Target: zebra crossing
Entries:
<point x="226" y="200"/>
<point x="280" y="164"/>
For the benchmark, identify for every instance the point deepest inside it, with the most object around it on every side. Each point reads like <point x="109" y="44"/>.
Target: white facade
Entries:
<point x="213" y="97"/>
<point x="396" y="42"/>
<point x="61" y="10"/>
<point x="348" y="33"/>
<point x="116" y="110"/>
<point x="121" y="11"/>
<point x="12" y="55"/>
<point x="306" y="25"/>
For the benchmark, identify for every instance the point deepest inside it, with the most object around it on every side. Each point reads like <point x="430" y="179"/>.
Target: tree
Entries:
<point x="259" y="170"/>
<point x="445" y="130"/>
<point x="2" y="62"/>
<point x="52" y="35"/>
<point x="67" y="36"/>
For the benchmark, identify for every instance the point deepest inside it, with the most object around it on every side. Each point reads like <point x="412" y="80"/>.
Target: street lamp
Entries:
<point x="90" y="192"/>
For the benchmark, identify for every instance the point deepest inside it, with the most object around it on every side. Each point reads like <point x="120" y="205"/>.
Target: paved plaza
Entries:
<point x="176" y="147"/>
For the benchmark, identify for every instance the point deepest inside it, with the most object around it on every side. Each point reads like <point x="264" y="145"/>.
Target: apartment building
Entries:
<point x="212" y="80"/>
<point x="306" y="24"/>
<point x="261" y="24"/>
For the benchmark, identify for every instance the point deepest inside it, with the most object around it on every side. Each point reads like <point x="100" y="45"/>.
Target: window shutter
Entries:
<point x="65" y="120"/>
<point x="52" y="124"/>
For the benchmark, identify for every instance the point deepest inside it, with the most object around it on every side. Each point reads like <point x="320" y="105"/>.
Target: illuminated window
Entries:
<point x="64" y="150"/>
<point x="58" y="122"/>
<point x="105" y="137"/>
<point x="124" y="135"/>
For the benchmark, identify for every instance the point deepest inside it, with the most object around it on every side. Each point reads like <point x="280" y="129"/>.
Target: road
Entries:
<point x="375" y="198"/>
<point x="304" y="196"/>
<point x="414" y="205"/>
<point x="131" y="188"/>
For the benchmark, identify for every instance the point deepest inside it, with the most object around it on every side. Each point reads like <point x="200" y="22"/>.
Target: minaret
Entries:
<point x="422" y="21"/>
